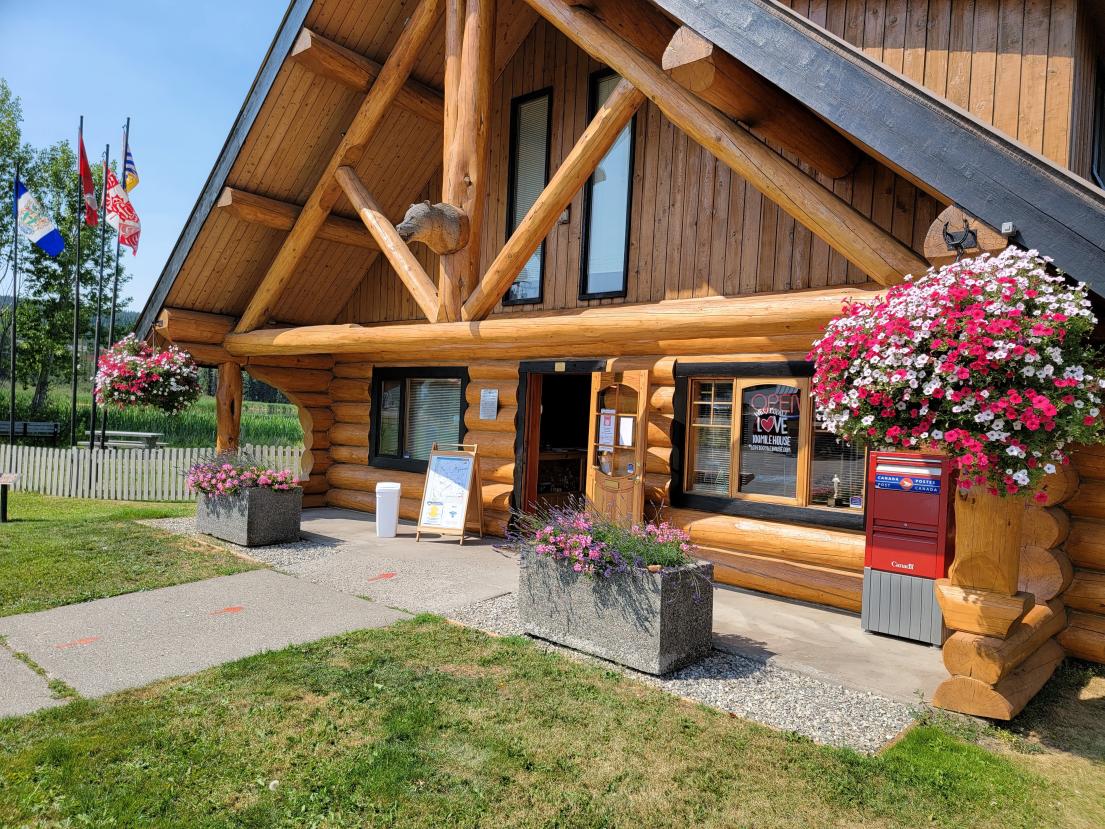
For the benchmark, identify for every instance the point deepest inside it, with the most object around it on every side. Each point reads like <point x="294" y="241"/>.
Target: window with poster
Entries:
<point x="753" y="448"/>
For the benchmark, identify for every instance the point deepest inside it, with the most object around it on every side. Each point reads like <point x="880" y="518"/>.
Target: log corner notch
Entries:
<point x="949" y="227"/>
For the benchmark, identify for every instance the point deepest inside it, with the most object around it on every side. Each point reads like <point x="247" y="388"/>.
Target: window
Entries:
<point x="606" y="208"/>
<point x="1097" y="162"/>
<point x="754" y="439"/>
<point x="413" y="409"/>
<point x="529" y="167"/>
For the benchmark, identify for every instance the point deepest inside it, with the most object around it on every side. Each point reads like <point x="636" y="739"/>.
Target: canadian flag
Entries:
<point x="120" y="212"/>
<point x="88" y="189"/>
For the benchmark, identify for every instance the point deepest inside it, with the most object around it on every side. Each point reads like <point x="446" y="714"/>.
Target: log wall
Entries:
<point x="1085" y="548"/>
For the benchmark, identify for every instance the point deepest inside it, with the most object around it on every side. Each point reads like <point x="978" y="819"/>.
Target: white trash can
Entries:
<point x="387" y="509"/>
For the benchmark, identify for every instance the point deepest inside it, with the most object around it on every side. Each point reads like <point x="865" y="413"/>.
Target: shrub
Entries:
<point x="223" y="478"/>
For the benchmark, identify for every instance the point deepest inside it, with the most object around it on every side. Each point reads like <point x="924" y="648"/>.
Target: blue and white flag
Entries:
<point x="33" y="222"/>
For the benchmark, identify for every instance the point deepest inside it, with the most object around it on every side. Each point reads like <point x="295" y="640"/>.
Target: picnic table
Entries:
<point x="7" y="480"/>
<point x="132" y="440"/>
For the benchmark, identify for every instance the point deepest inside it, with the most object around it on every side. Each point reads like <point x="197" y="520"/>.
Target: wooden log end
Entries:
<point x="981" y="611"/>
<point x="1007" y="698"/>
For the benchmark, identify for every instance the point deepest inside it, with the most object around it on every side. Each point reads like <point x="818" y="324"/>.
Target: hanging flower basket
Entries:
<point x="134" y="373"/>
<point x="987" y="360"/>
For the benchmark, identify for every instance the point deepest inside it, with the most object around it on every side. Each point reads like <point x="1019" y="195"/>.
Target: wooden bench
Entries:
<point x="131" y="440"/>
<point x="43" y="430"/>
<point x="7" y="480"/>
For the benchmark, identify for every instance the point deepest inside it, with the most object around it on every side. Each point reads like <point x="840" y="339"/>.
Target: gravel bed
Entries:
<point x="826" y="713"/>
<point x="280" y="556"/>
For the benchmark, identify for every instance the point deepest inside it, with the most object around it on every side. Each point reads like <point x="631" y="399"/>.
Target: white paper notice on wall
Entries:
<point x="606" y="427"/>
<point x="489" y="404"/>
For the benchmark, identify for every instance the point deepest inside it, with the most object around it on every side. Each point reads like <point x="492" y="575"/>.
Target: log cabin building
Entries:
<point x="483" y="221"/>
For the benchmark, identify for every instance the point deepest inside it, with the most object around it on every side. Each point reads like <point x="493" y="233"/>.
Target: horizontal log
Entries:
<point x="1086" y="543"/>
<point x="320" y="361"/>
<point x="348" y="434"/>
<point x="657" y="489"/>
<point x="1086" y="591"/>
<point x="314" y="501"/>
<point x="1045" y="572"/>
<point x="484" y="371"/>
<point x="351" y="412"/>
<point x="212" y="355"/>
<point x="662" y="399"/>
<point x="209" y="354"/>
<point x="1088" y="501"/>
<point x="792" y="580"/>
<point x="316" y="440"/>
<point x="312" y="399"/>
<point x="503" y="422"/>
<point x="496" y="496"/>
<point x="1060" y="487"/>
<point x="613" y="327"/>
<point x="497" y="469"/>
<point x="350" y="390"/>
<point x="1045" y="526"/>
<point x="989" y="658"/>
<point x="315" y="420"/>
<point x="658" y="459"/>
<point x="492" y="444"/>
<point x="837" y="549"/>
<point x="315" y="484"/>
<point x="508" y="391"/>
<point x="1008" y="697"/>
<point x="980" y="611"/>
<point x="315" y="461"/>
<point x="494" y="523"/>
<point x="659" y="429"/>
<point x="661" y="369"/>
<point x="183" y="325"/>
<point x="280" y="215"/>
<point x="349" y="454"/>
<point x="292" y="379"/>
<point x="1090" y="461"/>
<point x="1084" y="637"/>
<point x="324" y="57"/>
<point x="353" y="371"/>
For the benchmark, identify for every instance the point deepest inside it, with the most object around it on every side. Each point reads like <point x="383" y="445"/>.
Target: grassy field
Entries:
<point x="59" y="551"/>
<point x="426" y="724"/>
<point x="193" y="427"/>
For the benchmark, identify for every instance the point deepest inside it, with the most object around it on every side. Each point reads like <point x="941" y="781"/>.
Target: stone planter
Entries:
<point x="651" y="622"/>
<point x="253" y="517"/>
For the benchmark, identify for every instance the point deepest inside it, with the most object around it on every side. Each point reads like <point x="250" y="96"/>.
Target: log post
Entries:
<point x="987" y="541"/>
<point x="228" y="408"/>
<point x="467" y="131"/>
<point x="589" y="150"/>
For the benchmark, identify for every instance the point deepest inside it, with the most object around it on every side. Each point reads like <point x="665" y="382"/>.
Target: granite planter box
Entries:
<point x="253" y="517"/>
<point x="652" y="622"/>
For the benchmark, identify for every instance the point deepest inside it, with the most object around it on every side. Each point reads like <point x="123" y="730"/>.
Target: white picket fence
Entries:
<point x="122" y="474"/>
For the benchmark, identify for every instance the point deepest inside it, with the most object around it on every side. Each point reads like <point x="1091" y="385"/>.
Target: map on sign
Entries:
<point x="445" y="499"/>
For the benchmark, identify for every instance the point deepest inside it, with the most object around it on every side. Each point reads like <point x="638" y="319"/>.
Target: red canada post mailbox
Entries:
<point x="910" y="543"/>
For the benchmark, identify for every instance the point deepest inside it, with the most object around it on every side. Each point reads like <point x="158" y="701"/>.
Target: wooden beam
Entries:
<point x="657" y="328"/>
<point x="281" y="215"/>
<point x="393" y="247"/>
<point x="572" y="174"/>
<point x="726" y="83"/>
<point x="371" y="114"/>
<point x="698" y="65"/>
<point x="228" y="407"/>
<point x="464" y="183"/>
<point x="324" y="57"/>
<point x="873" y="250"/>
<point x="183" y="325"/>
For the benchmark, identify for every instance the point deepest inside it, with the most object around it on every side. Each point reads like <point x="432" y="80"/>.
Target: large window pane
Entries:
<point x="712" y="430"/>
<point x="836" y="472"/>
<point x="529" y="171"/>
<point x="433" y="414"/>
<point x="769" y="439"/>
<point x="391" y="402"/>
<point x="608" y="208"/>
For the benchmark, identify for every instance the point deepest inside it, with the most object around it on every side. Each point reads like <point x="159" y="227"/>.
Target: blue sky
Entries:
<point x="179" y="68"/>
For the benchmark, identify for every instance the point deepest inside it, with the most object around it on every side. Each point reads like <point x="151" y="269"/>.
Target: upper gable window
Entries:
<point x="606" y="208"/>
<point x="529" y="167"/>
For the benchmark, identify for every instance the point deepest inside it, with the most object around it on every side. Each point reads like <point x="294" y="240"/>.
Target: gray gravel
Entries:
<point x="826" y="713"/>
<point x="280" y="556"/>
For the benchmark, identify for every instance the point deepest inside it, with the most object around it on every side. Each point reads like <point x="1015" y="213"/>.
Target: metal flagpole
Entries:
<point x="79" y="216"/>
<point x="15" y="295"/>
<point x="115" y="284"/>
<point x="99" y="308"/>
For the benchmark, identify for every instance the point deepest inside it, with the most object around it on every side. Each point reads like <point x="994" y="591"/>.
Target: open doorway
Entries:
<point x="557" y="422"/>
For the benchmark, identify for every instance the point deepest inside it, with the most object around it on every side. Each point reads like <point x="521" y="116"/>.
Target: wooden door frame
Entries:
<point x="522" y="421"/>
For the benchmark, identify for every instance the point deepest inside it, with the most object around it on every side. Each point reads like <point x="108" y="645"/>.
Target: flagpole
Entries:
<point x="15" y="302"/>
<point x="78" y="216"/>
<point x="115" y="283"/>
<point x="99" y="308"/>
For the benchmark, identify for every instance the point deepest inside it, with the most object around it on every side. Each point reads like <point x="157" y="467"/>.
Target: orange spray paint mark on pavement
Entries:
<point x="76" y="643"/>
<point x="234" y="608"/>
<point x="383" y="577"/>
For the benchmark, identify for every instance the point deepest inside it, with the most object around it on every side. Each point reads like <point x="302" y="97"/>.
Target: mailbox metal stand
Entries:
<point x="910" y="544"/>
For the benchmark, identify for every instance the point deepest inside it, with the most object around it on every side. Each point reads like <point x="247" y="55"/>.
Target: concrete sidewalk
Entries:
<point x="128" y="641"/>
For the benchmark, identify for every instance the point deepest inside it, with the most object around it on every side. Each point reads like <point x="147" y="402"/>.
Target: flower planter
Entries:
<point x="651" y="622"/>
<point x="253" y="517"/>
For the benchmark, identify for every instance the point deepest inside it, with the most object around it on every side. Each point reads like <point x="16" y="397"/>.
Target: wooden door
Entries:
<point x="617" y="443"/>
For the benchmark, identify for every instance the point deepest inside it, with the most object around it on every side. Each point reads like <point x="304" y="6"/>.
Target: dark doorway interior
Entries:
<point x="556" y="438"/>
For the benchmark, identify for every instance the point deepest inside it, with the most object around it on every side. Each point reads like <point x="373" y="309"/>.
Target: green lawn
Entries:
<point x="426" y="724"/>
<point x="59" y="551"/>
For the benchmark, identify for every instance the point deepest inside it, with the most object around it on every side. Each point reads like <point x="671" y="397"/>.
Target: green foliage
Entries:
<point x="426" y="724"/>
<point x="59" y="551"/>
